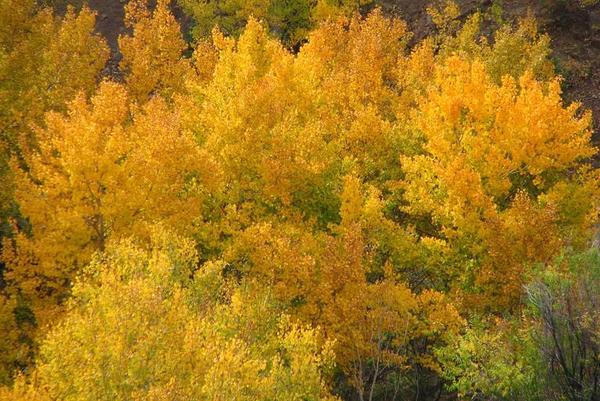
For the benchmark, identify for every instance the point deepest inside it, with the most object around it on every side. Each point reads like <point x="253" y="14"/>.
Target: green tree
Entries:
<point x="288" y="20"/>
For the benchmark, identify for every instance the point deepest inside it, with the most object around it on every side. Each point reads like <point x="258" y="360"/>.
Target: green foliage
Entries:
<point x="288" y="20"/>
<point x="551" y="353"/>
<point x="564" y="302"/>
<point x="497" y="360"/>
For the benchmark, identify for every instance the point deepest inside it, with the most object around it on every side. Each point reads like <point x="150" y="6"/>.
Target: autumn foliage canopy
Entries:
<point x="319" y="208"/>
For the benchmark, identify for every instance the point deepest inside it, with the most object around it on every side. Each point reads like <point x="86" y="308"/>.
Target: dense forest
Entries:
<point x="295" y="200"/>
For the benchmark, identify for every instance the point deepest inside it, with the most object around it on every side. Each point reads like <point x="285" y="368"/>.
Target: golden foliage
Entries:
<point x="354" y="201"/>
<point x="153" y="55"/>
<point x="132" y="332"/>
<point x="107" y="168"/>
<point x="44" y="62"/>
<point x="491" y="153"/>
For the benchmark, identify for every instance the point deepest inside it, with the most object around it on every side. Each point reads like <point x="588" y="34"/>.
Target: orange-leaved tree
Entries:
<point x="103" y="170"/>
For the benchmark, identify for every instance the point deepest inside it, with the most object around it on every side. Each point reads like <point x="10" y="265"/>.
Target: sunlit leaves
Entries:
<point x="153" y="55"/>
<point x="105" y="169"/>
<point x="131" y="333"/>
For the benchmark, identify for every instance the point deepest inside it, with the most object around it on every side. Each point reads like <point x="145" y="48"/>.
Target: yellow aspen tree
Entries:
<point x="458" y="214"/>
<point x="254" y="115"/>
<point x="103" y="170"/>
<point x="351" y="64"/>
<point x="514" y="49"/>
<point x="132" y="332"/>
<point x="340" y="284"/>
<point x="492" y="149"/>
<point x="45" y="61"/>
<point x="153" y="56"/>
<point x="285" y="126"/>
<point x="23" y="390"/>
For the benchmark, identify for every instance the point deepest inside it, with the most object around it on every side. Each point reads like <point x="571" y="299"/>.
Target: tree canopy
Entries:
<point x="306" y="208"/>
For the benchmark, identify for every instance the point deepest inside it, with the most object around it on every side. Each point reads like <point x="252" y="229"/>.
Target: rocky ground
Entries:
<point x="575" y="33"/>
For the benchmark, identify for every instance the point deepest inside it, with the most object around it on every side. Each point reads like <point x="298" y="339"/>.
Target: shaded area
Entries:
<point x="110" y="23"/>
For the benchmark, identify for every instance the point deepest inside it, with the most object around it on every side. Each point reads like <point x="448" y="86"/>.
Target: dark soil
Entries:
<point x="576" y="44"/>
<point x="575" y="33"/>
<point x="109" y="23"/>
<point x="110" y="19"/>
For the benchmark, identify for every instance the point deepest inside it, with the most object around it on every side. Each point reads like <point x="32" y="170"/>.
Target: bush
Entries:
<point x="566" y="302"/>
